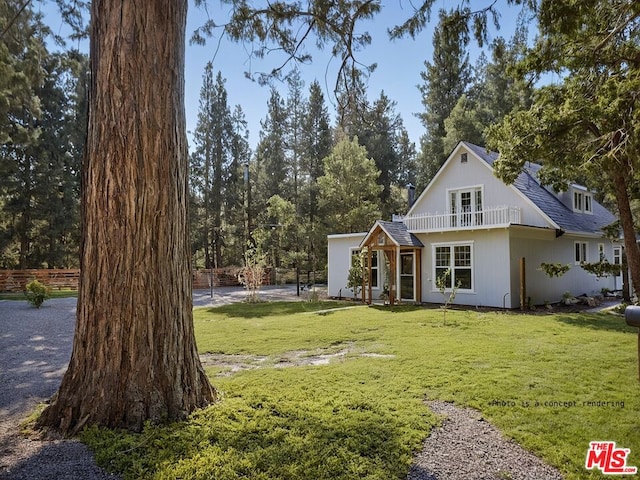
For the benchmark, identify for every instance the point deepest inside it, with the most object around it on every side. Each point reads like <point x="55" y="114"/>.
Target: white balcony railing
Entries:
<point x="490" y="217"/>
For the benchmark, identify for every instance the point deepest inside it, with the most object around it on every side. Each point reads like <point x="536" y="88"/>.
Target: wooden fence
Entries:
<point x="16" y="280"/>
<point x="222" y="277"/>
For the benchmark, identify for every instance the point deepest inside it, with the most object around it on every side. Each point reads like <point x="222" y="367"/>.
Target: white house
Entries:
<point x="491" y="237"/>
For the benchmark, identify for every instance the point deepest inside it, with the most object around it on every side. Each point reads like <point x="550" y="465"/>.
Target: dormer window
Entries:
<point x="582" y="202"/>
<point x="588" y="203"/>
<point x="577" y="201"/>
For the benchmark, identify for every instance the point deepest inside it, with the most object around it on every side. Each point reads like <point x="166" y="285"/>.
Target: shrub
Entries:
<point x="252" y="274"/>
<point x="602" y="268"/>
<point x="442" y="282"/>
<point x="36" y="293"/>
<point x="554" y="269"/>
<point x="356" y="276"/>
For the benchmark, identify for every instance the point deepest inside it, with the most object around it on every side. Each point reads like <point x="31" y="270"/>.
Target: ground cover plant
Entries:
<point x="552" y="382"/>
<point x="64" y="293"/>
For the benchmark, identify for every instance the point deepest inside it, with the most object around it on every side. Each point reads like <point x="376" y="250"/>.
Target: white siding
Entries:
<point x="475" y="173"/>
<point x="491" y="286"/>
<point x="545" y="247"/>
<point x="496" y="252"/>
<point x="338" y="262"/>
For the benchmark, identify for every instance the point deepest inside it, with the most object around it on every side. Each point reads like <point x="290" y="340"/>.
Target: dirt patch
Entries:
<point x="231" y="364"/>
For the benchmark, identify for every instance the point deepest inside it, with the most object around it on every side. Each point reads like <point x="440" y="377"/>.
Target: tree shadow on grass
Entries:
<point x="597" y="321"/>
<point x="267" y="439"/>
<point x="397" y="308"/>
<point x="268" y="309"/>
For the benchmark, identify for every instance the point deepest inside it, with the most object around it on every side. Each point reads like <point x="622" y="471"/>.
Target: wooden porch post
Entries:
<point x="369" y="259"/>
<point x="392" y="276"/>
<point x="418" y="274"/>
<point x="523" y="284"/>
<point x="363" y="277"/>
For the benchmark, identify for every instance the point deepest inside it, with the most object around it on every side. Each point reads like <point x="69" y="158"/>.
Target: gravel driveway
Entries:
<point x="35" y="346"/>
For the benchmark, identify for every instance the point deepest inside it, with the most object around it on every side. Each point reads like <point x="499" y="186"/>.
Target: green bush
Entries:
<point x="36" y="293"/>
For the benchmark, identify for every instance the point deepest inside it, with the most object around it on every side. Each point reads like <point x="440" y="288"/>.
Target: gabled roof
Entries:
<point x="528" y="184"/>
<point x="397" y="232"/>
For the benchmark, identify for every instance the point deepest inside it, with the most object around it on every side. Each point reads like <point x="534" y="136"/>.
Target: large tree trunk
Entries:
<point x="619" y="176"/>
<point x="134" y="354"/>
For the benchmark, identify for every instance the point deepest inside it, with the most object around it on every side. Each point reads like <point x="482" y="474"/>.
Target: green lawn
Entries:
<point x="362" y="415"/>
<point x="64" y="293"/>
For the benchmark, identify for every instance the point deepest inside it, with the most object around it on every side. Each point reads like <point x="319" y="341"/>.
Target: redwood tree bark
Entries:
<point x="134" y="354"/>
<point x="620" y="173"/>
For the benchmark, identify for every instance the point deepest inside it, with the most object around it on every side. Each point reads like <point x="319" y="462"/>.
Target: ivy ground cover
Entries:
<point x="310" y="392"/>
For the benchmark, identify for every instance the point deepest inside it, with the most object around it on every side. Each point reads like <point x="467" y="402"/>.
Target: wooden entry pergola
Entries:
<point x="393" y="239"/>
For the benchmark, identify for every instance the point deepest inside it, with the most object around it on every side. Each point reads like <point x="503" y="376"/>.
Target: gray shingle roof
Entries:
<point x="568" y="220"/>
<point x="398" y="232"/>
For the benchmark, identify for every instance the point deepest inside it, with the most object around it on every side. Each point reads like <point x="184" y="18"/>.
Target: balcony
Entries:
<point x="491" y="217"/>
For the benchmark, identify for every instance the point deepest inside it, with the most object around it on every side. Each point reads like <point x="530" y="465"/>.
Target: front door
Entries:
<point x="407" y="277"/>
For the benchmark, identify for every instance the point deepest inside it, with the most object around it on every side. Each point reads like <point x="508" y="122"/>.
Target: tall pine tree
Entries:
<point x="61" y="144"/>
<point x="296" y="107"/>
<point x="494" y="93"/>
<point x="271" y="155"/>
<point x="317" y="143"/>
<point x="43" y="130"/>
<point x="445" y="80"/>
<point x="236" y="203"/>
<point x="349" y="190"/>
<point x="21" y="52"/>
<point x="210" y="160"/>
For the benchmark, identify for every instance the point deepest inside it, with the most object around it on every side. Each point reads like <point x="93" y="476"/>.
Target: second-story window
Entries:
<point x="465" y="206"/>
<point x="582" y="202"/>
<point x="588" y="203"/>
<point x="577" y="201"/>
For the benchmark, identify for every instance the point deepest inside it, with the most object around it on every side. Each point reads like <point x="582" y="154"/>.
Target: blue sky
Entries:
<point x="398" y="73"/>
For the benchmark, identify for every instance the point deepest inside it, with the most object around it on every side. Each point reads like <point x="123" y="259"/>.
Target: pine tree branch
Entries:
<point x="15" y="17"/>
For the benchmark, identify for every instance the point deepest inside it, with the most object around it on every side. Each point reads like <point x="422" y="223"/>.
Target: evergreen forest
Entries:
<point x="315" y="170"/>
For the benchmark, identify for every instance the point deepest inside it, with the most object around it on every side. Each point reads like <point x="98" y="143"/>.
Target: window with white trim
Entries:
<point x="601" y="254"/>
<point x="617" y="255"/>
<point x="374" y="268"/>
<point x="580" y="252"/>
<point x="582" y="202"/>
<point x="588" y="203"/>
<point x="577" y="201"/>
<point x="458" y="260"/>
<point x="465" y="206"/>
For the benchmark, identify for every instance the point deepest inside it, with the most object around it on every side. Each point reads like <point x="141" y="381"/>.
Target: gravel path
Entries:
<point x="35" y="346"/>
<point x="466" y="447"/>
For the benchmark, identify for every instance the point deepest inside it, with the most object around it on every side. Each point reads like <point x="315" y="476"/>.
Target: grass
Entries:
<point x="536" y="377"/>
<point x="64" y="293"/>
